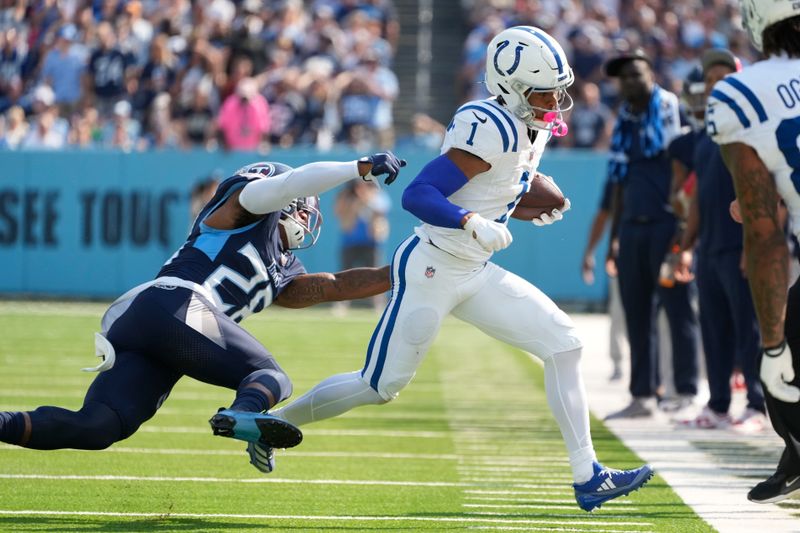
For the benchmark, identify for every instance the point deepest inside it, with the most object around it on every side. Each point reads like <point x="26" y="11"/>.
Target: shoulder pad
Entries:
<point x="483" y="129"/>
<point x="733" y="110"/>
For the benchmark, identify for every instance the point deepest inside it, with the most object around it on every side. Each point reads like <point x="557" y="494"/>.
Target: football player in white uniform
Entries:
<point x="464" y="199"/>
<point x="755" y="116"/>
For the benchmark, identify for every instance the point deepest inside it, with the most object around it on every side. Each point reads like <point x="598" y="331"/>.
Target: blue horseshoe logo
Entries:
<point x="517" y="55"/>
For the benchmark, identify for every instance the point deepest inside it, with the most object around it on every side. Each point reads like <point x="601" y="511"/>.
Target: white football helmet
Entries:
<point x="301" y="219"/>
<point x="525" y="59"/>
<point x="758" y="15"/>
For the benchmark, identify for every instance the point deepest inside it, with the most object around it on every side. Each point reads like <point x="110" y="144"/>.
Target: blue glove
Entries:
<point x="383" y="163"/>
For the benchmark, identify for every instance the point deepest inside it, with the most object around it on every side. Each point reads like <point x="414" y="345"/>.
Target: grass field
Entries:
<point x="470" y="444"/>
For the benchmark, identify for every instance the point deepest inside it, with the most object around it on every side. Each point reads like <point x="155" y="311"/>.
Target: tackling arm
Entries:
<point x="311" y="289"/>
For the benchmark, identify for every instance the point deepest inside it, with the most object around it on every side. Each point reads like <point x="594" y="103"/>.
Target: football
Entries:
<point x="543" y="197"/>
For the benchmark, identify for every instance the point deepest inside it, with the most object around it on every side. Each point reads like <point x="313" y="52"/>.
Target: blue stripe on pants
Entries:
<point x="401" y="272"/>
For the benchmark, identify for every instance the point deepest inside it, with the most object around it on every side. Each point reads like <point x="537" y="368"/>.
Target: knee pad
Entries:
<point x="420" y="326"/>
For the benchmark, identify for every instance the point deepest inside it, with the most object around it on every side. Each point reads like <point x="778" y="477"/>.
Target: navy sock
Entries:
<point x="252" y="396"/>
<point x="12" y="426"/>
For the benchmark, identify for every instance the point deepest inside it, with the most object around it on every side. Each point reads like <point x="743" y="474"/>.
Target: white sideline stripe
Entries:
<point x="514" y="492"/>
<point x="570" y="507"/>
<point x="473" y="519"/>
<point x="320" y="432"/>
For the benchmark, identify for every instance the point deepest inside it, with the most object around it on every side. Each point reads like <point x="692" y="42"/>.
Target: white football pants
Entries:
<point x="427" y="285"/>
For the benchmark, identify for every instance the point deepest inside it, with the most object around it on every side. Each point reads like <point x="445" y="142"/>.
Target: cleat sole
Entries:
<point x="222" y="425"/>
<point x="277" y="433"/>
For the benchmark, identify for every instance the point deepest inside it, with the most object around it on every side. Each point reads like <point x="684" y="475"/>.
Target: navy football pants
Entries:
<point x="642" y="248"/>
<point x="155" y="347"/>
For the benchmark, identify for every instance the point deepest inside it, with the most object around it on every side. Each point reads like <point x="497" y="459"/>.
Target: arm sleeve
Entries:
<point x="426" y="196"/>
<point x="267" y="195"/>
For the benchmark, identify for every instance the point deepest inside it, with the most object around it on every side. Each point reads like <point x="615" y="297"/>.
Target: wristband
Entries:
<point x="775" y="351"/>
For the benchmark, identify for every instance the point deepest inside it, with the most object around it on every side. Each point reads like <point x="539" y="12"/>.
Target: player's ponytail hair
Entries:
<point x="783" y="37"/>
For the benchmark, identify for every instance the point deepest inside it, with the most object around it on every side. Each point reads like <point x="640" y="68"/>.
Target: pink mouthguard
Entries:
<point x="560" y="128"/>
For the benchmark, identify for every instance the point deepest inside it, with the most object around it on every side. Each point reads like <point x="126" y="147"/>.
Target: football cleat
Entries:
<point x="262" y="457"/>
<point x="777" y="487"/>
<point x="607" y="484"/>
<point x="261" y="428"/>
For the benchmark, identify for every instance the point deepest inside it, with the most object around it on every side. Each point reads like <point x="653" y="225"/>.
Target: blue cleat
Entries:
<point x="607" y="484"/>
<point x="262" y="428"/>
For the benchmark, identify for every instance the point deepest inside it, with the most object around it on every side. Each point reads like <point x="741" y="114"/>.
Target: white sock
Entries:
<point x="567" y="399"/>
<point x="331" y="397"/>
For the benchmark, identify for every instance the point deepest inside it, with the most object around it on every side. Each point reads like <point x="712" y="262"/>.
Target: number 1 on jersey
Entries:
<point x="472" y="133"/>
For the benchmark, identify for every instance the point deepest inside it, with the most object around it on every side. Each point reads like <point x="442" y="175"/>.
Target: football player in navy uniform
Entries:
<point x="237" y="260"/>
<point x="754" y="115"/>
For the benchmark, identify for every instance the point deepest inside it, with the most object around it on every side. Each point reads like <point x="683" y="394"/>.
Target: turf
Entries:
<point x="470" y="444"/>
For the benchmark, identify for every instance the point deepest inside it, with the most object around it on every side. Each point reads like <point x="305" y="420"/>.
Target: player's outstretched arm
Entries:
<point x="267" y="195"/>
<point x="311" y="289"/>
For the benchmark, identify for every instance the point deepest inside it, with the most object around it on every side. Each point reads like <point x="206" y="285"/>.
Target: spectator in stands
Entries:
<point x="105" y="80"/>
<point x="45" y="133"/>
<point x="382" y="87"/>
<point x="244" y="119"/>
<point x="196" y="121"/>
<point x="645" y="224"/>
<point x="158" y="74"/>
<point x="123" y="131"/>
<point x="13" y="55"/>
<point x="590" y="122"/>
<point x="84" y="129"/>
<point x="361" y="208"/>
<point x="63" y="68"/>
<point x="15" y="128"/>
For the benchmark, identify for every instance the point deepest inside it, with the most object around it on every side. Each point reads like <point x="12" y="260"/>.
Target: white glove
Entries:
<point x="555" y="215"/>
<point x="491" y="235"/>
<point x="777" y="371"/>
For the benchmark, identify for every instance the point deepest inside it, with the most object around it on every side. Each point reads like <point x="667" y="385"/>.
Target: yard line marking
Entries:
<point x="461" y="459"/>
<point x="109" y="477"/>
<point x="507" y="499"/>
<point x="317" y="432"/>
<point x="369" y="482"/>
<point x="572" y="517"/>
<point x="286" y="453"/>
<point x="517" y="528"/>
<point x="473" y="519"/>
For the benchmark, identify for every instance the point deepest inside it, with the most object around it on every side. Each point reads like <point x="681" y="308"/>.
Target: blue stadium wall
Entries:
<point x="93" y="224"/>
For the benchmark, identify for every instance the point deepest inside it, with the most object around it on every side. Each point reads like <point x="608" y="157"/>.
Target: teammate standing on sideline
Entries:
<point x="236" y="261"/>
<point x="645" y="224"/>
<point x="464" y="198"/>
<point x="754" y="115"/>
<point x="727" y="317"/>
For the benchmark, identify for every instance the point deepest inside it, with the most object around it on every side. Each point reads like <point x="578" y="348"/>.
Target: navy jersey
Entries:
<point x="718" y="231"/>
<point x="245" y="268"/>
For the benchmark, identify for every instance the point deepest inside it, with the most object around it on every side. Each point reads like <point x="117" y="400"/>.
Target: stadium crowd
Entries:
<point x="673" y="33"/>
<point x="145" y="74"/>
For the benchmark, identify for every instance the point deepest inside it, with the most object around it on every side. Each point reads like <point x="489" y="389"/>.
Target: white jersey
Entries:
<point x="760" y="107"/>
<point x="486" y="129"/>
